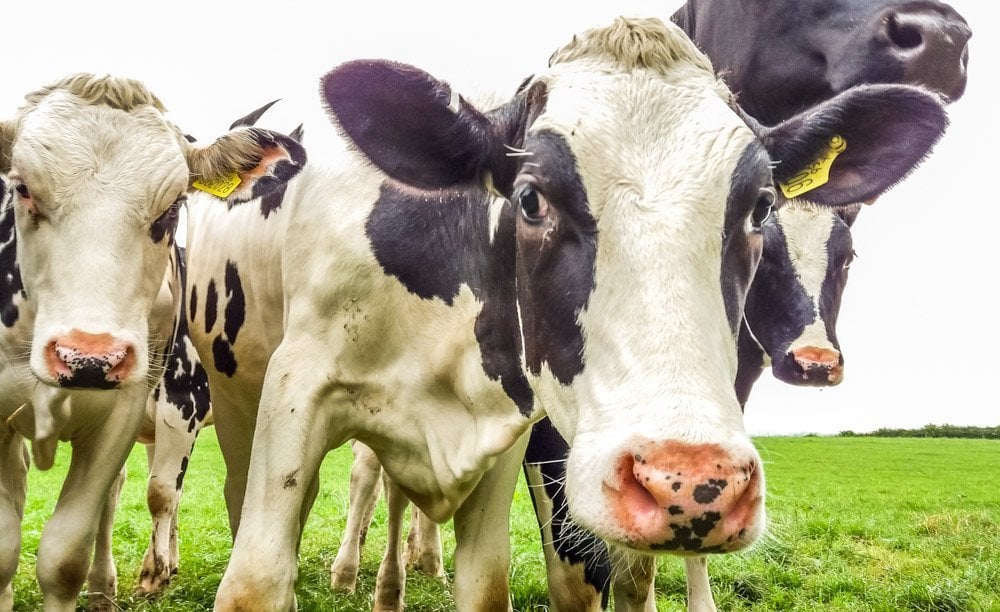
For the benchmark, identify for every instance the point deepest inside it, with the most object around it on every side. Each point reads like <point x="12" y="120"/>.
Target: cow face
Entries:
<point x="635" y="197"/>
<point x="782" y="56"/>
<point x="96" y="178"/>
<point x="793" y="303"/>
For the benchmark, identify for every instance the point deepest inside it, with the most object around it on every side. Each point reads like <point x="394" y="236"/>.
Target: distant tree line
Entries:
<point x="932" y="431"/>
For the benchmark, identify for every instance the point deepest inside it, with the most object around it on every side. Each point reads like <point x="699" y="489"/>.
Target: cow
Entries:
<point x="782" y="56"/>
<point x="779" y="57"/>
<point x="179" y="408"/>
<point x="436" y="327"/>
<point x="94" y="178"/>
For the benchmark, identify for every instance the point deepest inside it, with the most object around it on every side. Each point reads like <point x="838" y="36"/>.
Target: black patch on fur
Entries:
<point x="211" y="306"/>
<point x="436" y="241"/>
<point x="11" y="286"/>
<point x="233" y="319"/>
<point x="547" y="451"/>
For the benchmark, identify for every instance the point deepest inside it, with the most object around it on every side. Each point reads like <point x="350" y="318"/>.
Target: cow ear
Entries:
<point x="246" y="164"/>
<point x="410" y="125"/>
<point x="883" y="133"/>
<point x="6" y="143"/>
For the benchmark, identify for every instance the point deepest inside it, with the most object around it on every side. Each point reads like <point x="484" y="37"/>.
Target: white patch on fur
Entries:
<point x="807" y="229"/>
<point x="495" y="210"/>
<point x="659" y="355"/>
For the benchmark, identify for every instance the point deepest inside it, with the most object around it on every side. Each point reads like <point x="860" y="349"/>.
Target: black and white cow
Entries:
<point x="780" y="57"/>
<point x="95" y="175"/>
<point x="177" y="410"/>
<point x="399" y="308"/>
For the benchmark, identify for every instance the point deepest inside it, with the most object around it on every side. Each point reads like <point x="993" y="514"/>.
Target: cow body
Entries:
<point x="434" y="321"/>
<point x="95" y="176"/>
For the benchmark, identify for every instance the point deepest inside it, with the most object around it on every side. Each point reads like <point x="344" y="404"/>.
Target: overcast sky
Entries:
<point x="919" y="320"/>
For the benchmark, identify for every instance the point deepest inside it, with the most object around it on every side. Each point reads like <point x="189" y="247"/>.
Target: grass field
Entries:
<point x="855" y="524"/>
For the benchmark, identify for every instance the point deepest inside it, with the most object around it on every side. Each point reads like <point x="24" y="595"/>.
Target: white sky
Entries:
<point x="918" y="324"/>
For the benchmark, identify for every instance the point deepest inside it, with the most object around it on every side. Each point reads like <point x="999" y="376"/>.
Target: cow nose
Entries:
<point x="82" y="360"/>
<point x="932" y="45"/>
<point x="675" y="496"/>
<point x="819" y="366"/>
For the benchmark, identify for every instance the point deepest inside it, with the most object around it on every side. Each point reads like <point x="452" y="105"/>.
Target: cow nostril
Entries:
<point x="903" y="35"/>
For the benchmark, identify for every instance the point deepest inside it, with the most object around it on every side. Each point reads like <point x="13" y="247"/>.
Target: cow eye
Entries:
<point x="29" y="204"/>
<point x="762" y="209"/>
<point x="850" y="259"/>
<point x="167" y="222"/>
<point x="534" y="207"/>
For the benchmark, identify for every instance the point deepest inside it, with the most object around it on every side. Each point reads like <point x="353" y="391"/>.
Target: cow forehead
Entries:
<point x="64" y="145"/>
<point x="641" y="108"/>
<point x="649" y="136"/>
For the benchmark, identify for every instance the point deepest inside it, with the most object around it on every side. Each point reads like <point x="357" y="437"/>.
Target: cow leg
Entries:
<point x="13" y="488"/>
<point x="423" y="545"/>
<point x="482" y="536"/>
<point x="168" y="459"/>
<point x="699" y="590"/>
<point x="366" y="478"/>
<point x="292" y="436"/>
<point x="390" y="587"/>
<point x="69" y="535"/>
<point x="632" y="582"/>
<point x="102" y="580"/>
<point x="234" y="428"/>
<point x="577" y="565"/>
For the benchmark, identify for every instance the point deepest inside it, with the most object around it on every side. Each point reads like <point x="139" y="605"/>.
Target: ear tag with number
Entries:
<point x="817" y="173"/>
<point x="221" y="187"/>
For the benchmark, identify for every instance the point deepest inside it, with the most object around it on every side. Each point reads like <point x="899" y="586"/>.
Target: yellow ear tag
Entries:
<point x="817" y="173"/>
<point x="220" y="187"/>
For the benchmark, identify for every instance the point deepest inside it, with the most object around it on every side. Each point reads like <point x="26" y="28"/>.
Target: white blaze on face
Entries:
<point x="807" y="229"/>
<point x="656" y="161"/>
<point x="98" y="177"/>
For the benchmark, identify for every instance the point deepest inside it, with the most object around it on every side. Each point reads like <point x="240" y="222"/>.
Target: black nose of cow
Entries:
<point x="818" y="366"/>
<point x="80" y="360"/>
<point x="931" y="41"/>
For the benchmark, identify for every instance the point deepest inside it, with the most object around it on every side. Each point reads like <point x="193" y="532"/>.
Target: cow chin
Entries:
<point x="668" y="496"/>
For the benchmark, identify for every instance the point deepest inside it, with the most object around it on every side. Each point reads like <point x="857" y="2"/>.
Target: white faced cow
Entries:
<point x="95" y="175"/>
<point x="780" y="57"/>
<point x="436" y="327"/>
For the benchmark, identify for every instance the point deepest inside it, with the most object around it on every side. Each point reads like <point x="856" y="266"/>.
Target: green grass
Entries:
<point x="855" y="524"/>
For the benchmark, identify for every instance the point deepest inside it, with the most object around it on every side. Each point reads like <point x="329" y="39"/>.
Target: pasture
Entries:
<point x="854" y="524"/>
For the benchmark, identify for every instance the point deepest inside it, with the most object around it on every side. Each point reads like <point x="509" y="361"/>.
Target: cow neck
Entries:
<point x="435" y="242"/>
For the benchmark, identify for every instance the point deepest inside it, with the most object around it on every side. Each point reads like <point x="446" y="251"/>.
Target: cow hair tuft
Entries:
<point x="241" y="151"/>
<point x="635" y="43"/>
<point x="117" y="92"/>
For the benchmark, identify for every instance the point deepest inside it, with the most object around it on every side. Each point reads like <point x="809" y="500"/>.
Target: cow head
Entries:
<point x="791" y="310"/>
<point x="783" y="56"/>
<point x="96" y="178"/>
<point x="635" y="193"/>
